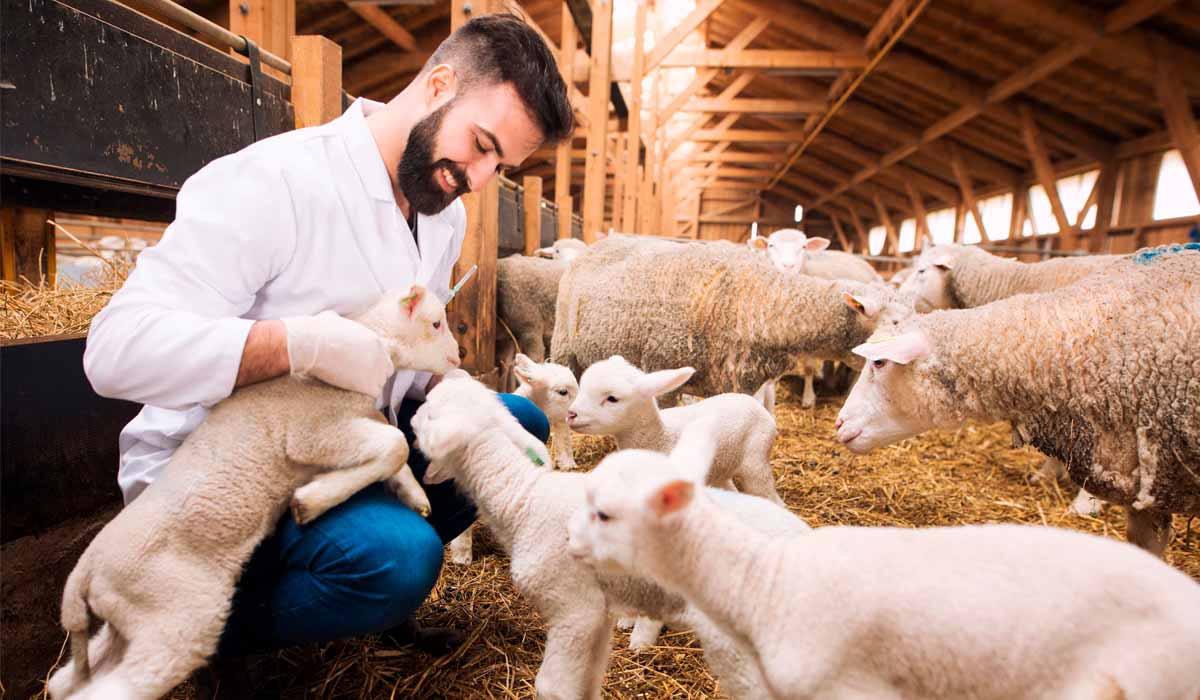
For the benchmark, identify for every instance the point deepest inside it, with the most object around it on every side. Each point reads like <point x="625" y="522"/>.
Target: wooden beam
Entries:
<point x="383" y="68"/>
<point x="696" y="214"/>
<point x="532" y="207"/>
<point x="1043" y="168"/>
<point x="1020" y="209"/>
<point x="732" y="157"/>
<point x="918" y="207"/>
<point x="629" y="213"/>
<point x="564" y="217"/>
<point x="663" y="47"/>
<point x="597" y="142"/>
<point x="1106" y="197"/>
<point x="387" y="25"/>
<point x="753" y="173"/>
<point x="27" y="245"/>
<point x="647" y="211"/>
<point x="747" y="135"/>
<point x="863" y="236"/>
<point x="763" y="106"/>
<point x="841" y="234"/>
<point x="1177" y="110"/>
<point x="619" y="184"/>
<point x="756" y="58"/>
<point x="316" y="80"/>
<point x="582" y="11"/>
<point x="269" y="23"/>
<point x="886" y="220"/>
<point x="706" y="75"/>
<point x="968" y="191"/>
<point x="562" y="153"/>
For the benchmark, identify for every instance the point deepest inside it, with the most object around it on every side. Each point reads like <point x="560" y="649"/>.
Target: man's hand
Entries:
<point x="338" y="351"/>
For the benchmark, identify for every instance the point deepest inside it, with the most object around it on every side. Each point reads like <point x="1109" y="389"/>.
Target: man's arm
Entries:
<point x="265" y="355"/>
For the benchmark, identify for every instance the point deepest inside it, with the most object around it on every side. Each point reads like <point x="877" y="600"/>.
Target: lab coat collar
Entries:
<point x="364" y="153"/>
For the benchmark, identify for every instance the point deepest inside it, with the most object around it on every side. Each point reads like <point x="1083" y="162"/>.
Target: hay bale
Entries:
<point x="28" y="310"/>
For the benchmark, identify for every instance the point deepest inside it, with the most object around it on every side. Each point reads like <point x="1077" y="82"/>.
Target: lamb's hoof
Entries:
<point x="645" y="634"/>
<point x="300" y="512"/>
<point x="625" y="623"/>
<point x="435" y="641"/>
<point x="1085" y="505"/>
<point x="463" y="558"/>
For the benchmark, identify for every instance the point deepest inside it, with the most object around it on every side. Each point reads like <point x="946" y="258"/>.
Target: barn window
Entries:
<point x="1073" y="191"/>
<point x="1174" y="196"/>
<point x="875" y="238"/>
<point x="941" y="226"/>
<point x="908" y="235"/>
<point x="997" y="215"/>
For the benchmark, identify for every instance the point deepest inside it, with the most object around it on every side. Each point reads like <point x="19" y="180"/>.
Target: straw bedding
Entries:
<point x="971" y="475"/>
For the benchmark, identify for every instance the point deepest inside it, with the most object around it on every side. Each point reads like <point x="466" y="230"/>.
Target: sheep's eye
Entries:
<point x="611" y="399"/>
<point x="878" y="364"/>
<point x="437" y="325"/>
<point x="602" y="516"/>
<point x="562" y="392"/>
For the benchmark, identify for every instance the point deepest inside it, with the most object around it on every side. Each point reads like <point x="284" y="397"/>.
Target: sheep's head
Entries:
<point x="633" y="495"/>
<point x="412" y="321"/>
<point x="565" y="249"/>
<point x="929" y="283"/>
<point x="789" y="249"/>
<point x="894" y="397"/>
<point x="614" y="396"/>
<point x="555" y="383"/>
<point x="877" y="308"/>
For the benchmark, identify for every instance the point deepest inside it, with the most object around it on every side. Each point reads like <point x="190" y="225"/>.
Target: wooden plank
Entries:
<point x="841" y="234"/>
<point x="1177" y="110"/>
<point x="1016" y="223"/>
<point x="316" y="80"/>
<point x="667" y="44"/>
<point x="532" y="208"/>
<point x="696" y="208"/>
<point x="28" y="248"/>
<point x="1106" y="189"/>
<point x="886" y="220"/>
<point x="731" y="157"/>
<point x="269" y="23"/>
<point x="968" y="192"/>
<point x="582" y="12"/>
<point x="751" y="173"/>
<point x="387" y="25"/>
<point x="618" y="200"/>
<point x="705" y="76"/>
<point x="563" y="153"/>
<point x="1043" y="168"/>
<point x="747" y="135"/>
<point x="761" y="58"/>
<point x="597" y="140"/>
<point x="630" y="207"/>
<point x="762" y="105"/>
<point x="565" y="210"/>
<point x="918" y="207"/>
<point x="863" y="237"/>
<point x="646" y="208"/>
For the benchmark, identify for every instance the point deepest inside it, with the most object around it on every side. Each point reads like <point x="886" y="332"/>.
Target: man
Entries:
<point x="326" y="218"/>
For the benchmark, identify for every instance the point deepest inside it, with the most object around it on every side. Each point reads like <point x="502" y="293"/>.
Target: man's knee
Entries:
<point x="528" y="414"/>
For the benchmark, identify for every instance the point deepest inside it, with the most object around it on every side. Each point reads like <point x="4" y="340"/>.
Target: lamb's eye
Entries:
<point x="562" y="392"/>
<point x="878" y="364"/>
<point x="611" y="399"/>
<point x="437" y="325"/>
<point x="602" y="516"/>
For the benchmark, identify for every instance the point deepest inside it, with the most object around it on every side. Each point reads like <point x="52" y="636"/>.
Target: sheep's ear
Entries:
<point x="661" y="382"/>
<point x="436" y="472"/>
<point x="545" y="253"/>
<point x="601" y="235"/>
<point x="863" y="304"/>
<point x="901" y="349"/>
<point x="525" y="368"/>
<point x="412" y="298"/>
<point x="697" y="448"/>
<point x="943" y="259"/>
<point x="814" y="244"/>
<point x="758" y="243"/>
<point x="438" y="439"/>
<point x="671" y="497"/>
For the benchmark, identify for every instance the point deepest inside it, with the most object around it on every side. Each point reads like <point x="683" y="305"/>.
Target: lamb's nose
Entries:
<point x="838" y="423"/>
<point x="571" y="415"/>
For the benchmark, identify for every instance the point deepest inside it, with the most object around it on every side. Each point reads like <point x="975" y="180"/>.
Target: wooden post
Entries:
<point x="597" y="138"/>
<point x="269" y="23"/>
<point x="864" y="239"/>
<point x="966" y="190"/>
<point x="629" y="211"/>
<point x="1106" y="196"/>
<point x="562" y="154"/>
<point x="650" y="167"/>
<point x="841" y="234"/>
<point x="1177" y="109"/>
<point x="27" y="247"/>
<point x="1016" y="223"/>
<point x="472" y="314"/>
<point x="316" y="80"/>
<point x="533" y="213"/>
<point x="960" y="220"/>
<point x="618" y="200"/>
<point x="564" y="216"/>
<point x="887" y="225"/>
<point x="696" y="214"/>
<point x="1043" y="167"/>
<point x="918" y="205"/>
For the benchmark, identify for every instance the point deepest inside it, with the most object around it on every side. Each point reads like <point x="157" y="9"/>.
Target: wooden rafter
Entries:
<point x="629" y="220"/>
<point x="918" y="207"/>
<point x="967" y="190"/>
<point x="387" y="25"/>
<point x="598" y="98"/>
<point x="760" y="105"/>
<point x="1043" y="168"/>
<point x="841" y="234"/>
<point x="667" y="44"/>
<point x="756" y="58"/>
<point x="1181" y="123"/>
<point x="705" y="75"/>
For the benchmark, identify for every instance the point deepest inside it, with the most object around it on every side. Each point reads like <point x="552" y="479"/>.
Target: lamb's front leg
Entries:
<point x="564" y="454"/>
<point x="645" y="633"/>
<point x="577" y="646"/>
<point x="357" y="453"/>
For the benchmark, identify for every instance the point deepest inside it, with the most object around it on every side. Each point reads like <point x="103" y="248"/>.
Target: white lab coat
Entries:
<point x="292" y="225"/>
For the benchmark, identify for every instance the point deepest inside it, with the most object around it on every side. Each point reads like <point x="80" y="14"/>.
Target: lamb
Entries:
<point x="716" y="306"/>
<point x="462" y="428"/>
<point x="551" y="388"/>
<point x="618" y="399"/>
<point x="1061" y="366"/>
<point x="791" y="251"/>
<point x="894" y="612"/>
<point x="565" y="249"/>
<point x="957" y="276"/>
<point x="526" y="293"/>
<point x="161" y="574"/>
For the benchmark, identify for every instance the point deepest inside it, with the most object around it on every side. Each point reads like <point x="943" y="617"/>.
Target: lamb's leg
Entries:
<point x="577" y="647"/>
<point x="766" y="395"/>
<point x="733" y="663"/>
<point x="461" y="548"/>
<point x="1148" y="529"/>
<point x="105" y="650"/>
<point x="645" y="632"/>
<point x="160" y="657"/>
<point x="626" y="623"/>
<point x="358" y="452"/>
<point x="809" y="398"/>
<point x="564" y="454"/>
<point x="1086" y="505"/>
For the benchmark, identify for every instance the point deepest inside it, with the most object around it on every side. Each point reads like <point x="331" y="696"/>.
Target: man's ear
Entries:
<point x="412" y="298"/>
<point x="441" y="86"/>
<point x="671" y="497"/>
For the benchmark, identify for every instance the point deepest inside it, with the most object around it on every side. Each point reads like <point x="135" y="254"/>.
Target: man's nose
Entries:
<point x="481" y="172"/>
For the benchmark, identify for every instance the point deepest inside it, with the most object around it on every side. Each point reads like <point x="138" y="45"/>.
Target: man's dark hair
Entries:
<point x="501" y="48"/>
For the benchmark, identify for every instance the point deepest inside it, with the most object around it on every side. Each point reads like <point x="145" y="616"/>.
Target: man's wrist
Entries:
<point x="265" y="355"/>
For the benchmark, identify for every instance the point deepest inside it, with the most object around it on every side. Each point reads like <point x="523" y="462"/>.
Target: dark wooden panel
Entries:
<point x="58" y="438"/>
<point x="86" y="195"/>
<point x="102" y="91"/>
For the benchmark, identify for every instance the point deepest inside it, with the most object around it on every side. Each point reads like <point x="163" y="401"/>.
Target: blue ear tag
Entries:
<point x="533" y="457"/>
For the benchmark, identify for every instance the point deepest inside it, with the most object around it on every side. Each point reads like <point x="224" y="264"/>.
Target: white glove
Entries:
<point x="338" y="351"/>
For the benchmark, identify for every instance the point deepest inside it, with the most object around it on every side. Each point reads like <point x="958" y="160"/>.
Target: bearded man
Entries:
<point x="317" y="219"/>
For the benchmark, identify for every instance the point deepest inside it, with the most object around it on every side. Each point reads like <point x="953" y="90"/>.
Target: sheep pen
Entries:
<point x="971" y="475"/>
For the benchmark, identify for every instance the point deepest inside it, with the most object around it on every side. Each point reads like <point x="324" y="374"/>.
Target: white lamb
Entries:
<point x="468" y="436"/>
<point x="551" y="388"/>
<point x="565" y="249"/>
<point x="161" y="574"/>
<point x="856" y="612"/>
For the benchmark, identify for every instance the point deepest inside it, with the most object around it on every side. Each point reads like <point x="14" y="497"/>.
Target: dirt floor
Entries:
<point x="972" y="475"/>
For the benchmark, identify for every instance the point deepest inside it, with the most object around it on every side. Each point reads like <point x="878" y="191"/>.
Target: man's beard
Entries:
<point x="417" y="173"/>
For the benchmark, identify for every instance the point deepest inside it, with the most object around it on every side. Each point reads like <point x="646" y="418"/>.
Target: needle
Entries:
<point x="461" y="282"/>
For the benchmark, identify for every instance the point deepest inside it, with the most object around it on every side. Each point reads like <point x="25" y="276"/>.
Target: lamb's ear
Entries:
<point x="437" y="471"/>
<point x="601" y="235"/>
<point x="697" y="448"/>
<point x="814" y="244"/>
<point x="867" y="305"/>
<point x="758" y="243"/>
<point x="943" y="259"/>
<point x="525" y="368"/>
<point x="439" y="438"/>
<point x="901" y="349"/>
<point x="545" y="253"/>
<point x="671" y="497"/>
<point x="663" y="381"/>
<point x="412" y="298"/>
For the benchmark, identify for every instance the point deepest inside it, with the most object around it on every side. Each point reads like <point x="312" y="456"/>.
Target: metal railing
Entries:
<point x="214" y="31"/>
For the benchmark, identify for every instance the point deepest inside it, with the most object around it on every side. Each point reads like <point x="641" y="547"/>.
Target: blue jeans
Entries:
<point x="362" y="567"/>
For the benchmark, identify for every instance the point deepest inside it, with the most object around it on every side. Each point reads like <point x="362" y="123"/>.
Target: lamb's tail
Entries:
<point x="76" y="618"/>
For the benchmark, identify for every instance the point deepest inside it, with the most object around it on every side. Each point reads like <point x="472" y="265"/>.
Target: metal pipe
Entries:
<point x="214" y="31"/>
